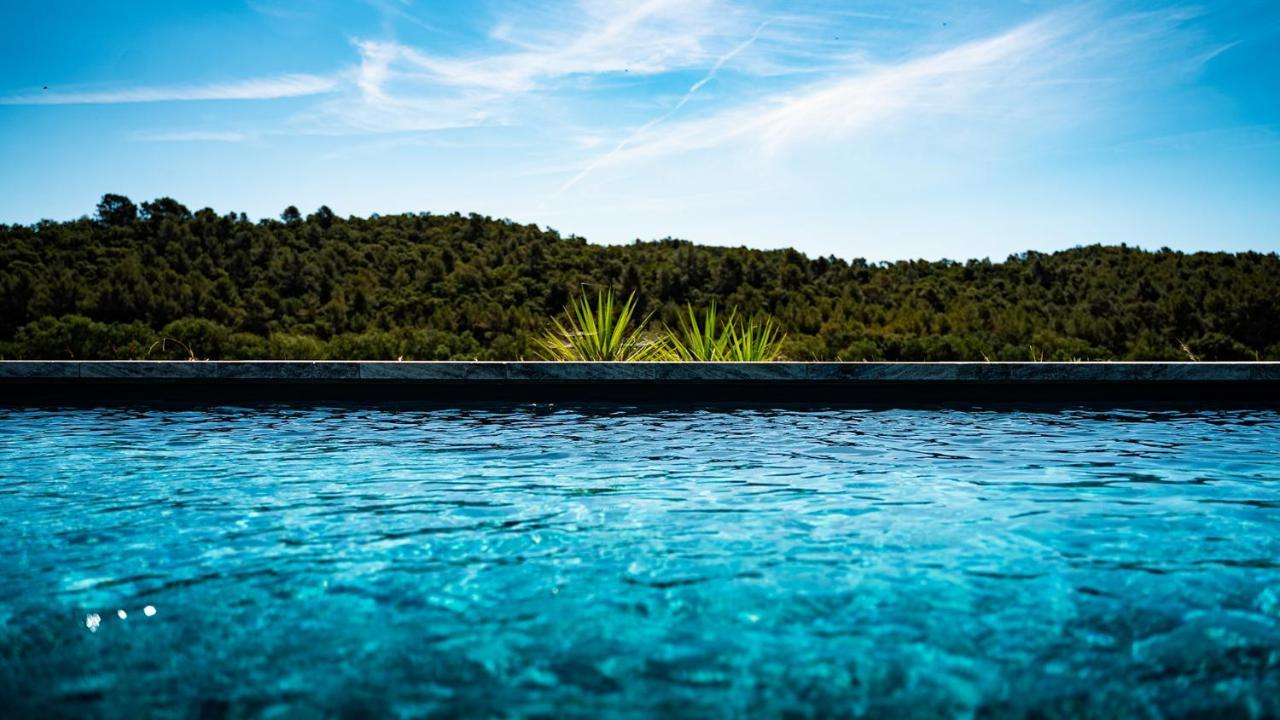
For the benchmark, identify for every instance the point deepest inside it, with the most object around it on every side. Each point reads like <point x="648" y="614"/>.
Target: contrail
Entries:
<point x="711" y="74"/>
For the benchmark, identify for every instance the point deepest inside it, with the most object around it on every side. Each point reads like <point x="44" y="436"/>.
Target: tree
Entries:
<point x="324" y="216"/>
<point x="116" y="210"/>
<point x="453" y="286"/>
<point x="165" y="208"/>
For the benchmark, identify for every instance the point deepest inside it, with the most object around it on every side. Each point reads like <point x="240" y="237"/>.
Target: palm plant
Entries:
<point x="599" y="331"/>
<point x="702" y="342"/>
<point x="709" y="340"/>
<point x="753" y="341"/>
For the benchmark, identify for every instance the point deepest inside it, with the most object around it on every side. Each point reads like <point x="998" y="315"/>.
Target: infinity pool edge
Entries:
<point x="28" y="381"/>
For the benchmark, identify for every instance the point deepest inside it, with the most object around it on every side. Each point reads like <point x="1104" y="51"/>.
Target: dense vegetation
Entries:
<point x="439" y="287"/>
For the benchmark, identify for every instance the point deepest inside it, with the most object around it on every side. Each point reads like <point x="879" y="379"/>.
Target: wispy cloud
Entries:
<point x="399" y="87"/>
<point x="684" y="99"/>
<point x="548" y="65"/>
<point x="1007" y="74"/>
<point x="1205" y="57"/>
<point x="267" y="88"/>
<point x="594" y="37"/>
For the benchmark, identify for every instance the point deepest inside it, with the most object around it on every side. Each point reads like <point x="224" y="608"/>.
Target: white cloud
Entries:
<point x="546" y="67"/>
<point x="599" y="36"/>
<point x="1024" y="72"/>
<point x="684" y="99"/>
<point x="267" y="88"/>
<point x="403" y="88"/>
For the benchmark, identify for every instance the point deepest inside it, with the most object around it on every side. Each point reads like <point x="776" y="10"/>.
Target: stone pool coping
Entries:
<point x="132" y="381"/>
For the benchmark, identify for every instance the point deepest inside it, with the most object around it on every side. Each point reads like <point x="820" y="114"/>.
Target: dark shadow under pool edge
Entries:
<point x="80" y="391"/>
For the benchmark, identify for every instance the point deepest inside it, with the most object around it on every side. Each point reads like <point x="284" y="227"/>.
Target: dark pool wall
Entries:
<point x="844" y="383"/>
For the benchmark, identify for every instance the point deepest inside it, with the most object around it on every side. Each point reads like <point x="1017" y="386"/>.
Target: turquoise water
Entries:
<point x="302" y="561"/>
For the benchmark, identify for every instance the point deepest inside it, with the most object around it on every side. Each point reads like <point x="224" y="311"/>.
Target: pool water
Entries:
<point x="286" y="561"/>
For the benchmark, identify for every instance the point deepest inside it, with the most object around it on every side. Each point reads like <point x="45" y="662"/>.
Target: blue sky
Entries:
<point x="884" y="130"/>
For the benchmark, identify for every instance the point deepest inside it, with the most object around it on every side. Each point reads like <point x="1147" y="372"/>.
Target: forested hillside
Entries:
<point x="452" y="287"/>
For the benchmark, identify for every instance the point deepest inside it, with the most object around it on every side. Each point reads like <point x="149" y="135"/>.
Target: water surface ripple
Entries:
<point x="300" y="561"/>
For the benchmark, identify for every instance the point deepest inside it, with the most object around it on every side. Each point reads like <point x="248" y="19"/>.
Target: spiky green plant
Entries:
<point x="600" y="331"/>
<point x="703" y="341"/>
<point x="752" y="341"/>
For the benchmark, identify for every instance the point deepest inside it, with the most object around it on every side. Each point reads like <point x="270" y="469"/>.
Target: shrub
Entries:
<point x="75" y="337"/>
<point x="703" y="341"/>
<point x="755" y="341"/>
<point x="1216" y="346"/>
<point x="197" y="337"/>
<point x="600" y="332"/>
<point x="295" y="347"/>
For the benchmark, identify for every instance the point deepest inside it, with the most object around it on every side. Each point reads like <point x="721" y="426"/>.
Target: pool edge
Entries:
<point x="129" y="382"/>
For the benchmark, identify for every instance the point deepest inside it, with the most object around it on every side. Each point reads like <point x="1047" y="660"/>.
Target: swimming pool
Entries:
<point x="578" y="561"/>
